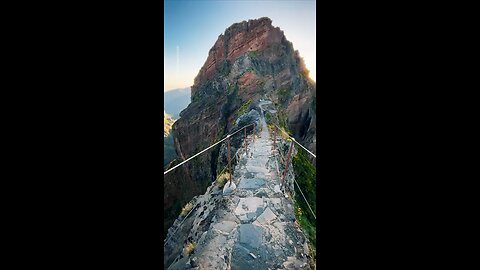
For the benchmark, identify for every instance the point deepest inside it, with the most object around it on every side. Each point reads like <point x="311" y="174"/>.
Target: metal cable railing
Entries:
<point x="226" y="167"/>
<point x="305" y="199"/>
<point x="235" y="155"/>
<point x="193" y="208"/>
<point x="190" y="158"/>
<point x="287" y="162"/>
<point x="293" y="139"/>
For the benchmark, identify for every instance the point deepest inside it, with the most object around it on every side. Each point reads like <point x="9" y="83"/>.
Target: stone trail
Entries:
<point x="252" y="225"/>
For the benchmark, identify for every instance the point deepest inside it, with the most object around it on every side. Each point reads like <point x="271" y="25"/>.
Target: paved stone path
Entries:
<point x="253" y="225"/>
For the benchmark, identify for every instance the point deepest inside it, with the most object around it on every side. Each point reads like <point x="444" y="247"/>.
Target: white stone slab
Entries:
<point x="266" y="217"/>
<point x="229" y="188"/>
<point x="248" y="205"/>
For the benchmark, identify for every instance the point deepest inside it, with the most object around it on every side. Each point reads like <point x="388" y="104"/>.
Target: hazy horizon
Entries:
<point x="192" y="28"/>
<point x="174" y="89"/>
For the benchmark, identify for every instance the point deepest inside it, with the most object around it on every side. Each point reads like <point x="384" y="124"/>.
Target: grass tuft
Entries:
<point x="189" y="248"/>
<point x="222" y="179"/>
<point x="186" y="209"/>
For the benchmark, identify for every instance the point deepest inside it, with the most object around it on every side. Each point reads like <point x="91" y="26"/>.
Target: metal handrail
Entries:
<point x="190" y="158"/>
<point x="286" y="167"/>
<point x="293" y="139"/>
<point x="194" y="207"/>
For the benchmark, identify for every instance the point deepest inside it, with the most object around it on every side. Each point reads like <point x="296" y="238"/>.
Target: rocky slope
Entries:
<point x="250" y="61"/>
<point x="251" y="224"/>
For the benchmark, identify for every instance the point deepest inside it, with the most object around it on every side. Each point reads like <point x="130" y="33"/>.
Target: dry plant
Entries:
<point x="189" y="248"/>
<point x="186" y="209"/>
<point x="222" y="179"/>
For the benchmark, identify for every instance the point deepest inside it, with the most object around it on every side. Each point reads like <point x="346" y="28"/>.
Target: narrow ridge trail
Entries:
<point x="252" y="226"/>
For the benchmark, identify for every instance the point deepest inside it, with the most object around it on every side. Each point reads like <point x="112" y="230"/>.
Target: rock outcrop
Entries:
<point x="254" y="35"/>
<point x="250" y="61"/>
<point x="252" y="226"/>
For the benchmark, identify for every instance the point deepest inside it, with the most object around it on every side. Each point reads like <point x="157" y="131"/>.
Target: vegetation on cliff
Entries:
<point x="186" y="209"/>
<point x="305" y="175"/>
<point x="222" y="179"/>
<point x="250" y="61"/>
<point x="243" y="109"/>
<point x="167" y="124"/>
<point x="169" y="153"/>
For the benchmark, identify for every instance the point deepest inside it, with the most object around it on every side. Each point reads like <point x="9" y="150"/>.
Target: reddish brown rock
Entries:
<point x="239" y="38"/>
<point x="250" y="61"/>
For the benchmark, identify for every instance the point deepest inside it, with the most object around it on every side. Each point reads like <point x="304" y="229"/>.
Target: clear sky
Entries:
<point x="192" y="27"/>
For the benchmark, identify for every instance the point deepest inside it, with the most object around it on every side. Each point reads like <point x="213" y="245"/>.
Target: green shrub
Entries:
<point x="310" y="230"/>
<point x="253" y="54"/>
<point x="283" y="92"/>
<point x="243" y="109"/>
<point x="305" y="175"/>
<point x="268" y="117"/>
<point x="283" y="122"/>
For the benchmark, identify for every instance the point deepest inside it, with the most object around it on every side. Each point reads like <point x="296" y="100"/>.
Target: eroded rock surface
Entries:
<point x="251" y="227"/>
<point x="250" y="60"/>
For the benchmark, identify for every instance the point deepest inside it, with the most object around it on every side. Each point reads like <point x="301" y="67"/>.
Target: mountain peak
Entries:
<point x="264" y="21"/>
<point x="250" y="62"/>
<point x="239" y="38"/>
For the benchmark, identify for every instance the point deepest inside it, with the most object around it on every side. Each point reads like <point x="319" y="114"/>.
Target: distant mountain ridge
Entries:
<point x="176" y="100"/>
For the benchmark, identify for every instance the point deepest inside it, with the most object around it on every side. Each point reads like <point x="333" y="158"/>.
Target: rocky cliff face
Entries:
<point x="249" y="223"/>
<point x="254" y="35"/>
<point x="250" y="61"/>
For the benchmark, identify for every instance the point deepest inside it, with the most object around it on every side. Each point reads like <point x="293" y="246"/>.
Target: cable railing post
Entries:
<point x="229" y="165"/>
<point x="287" y="162"/>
